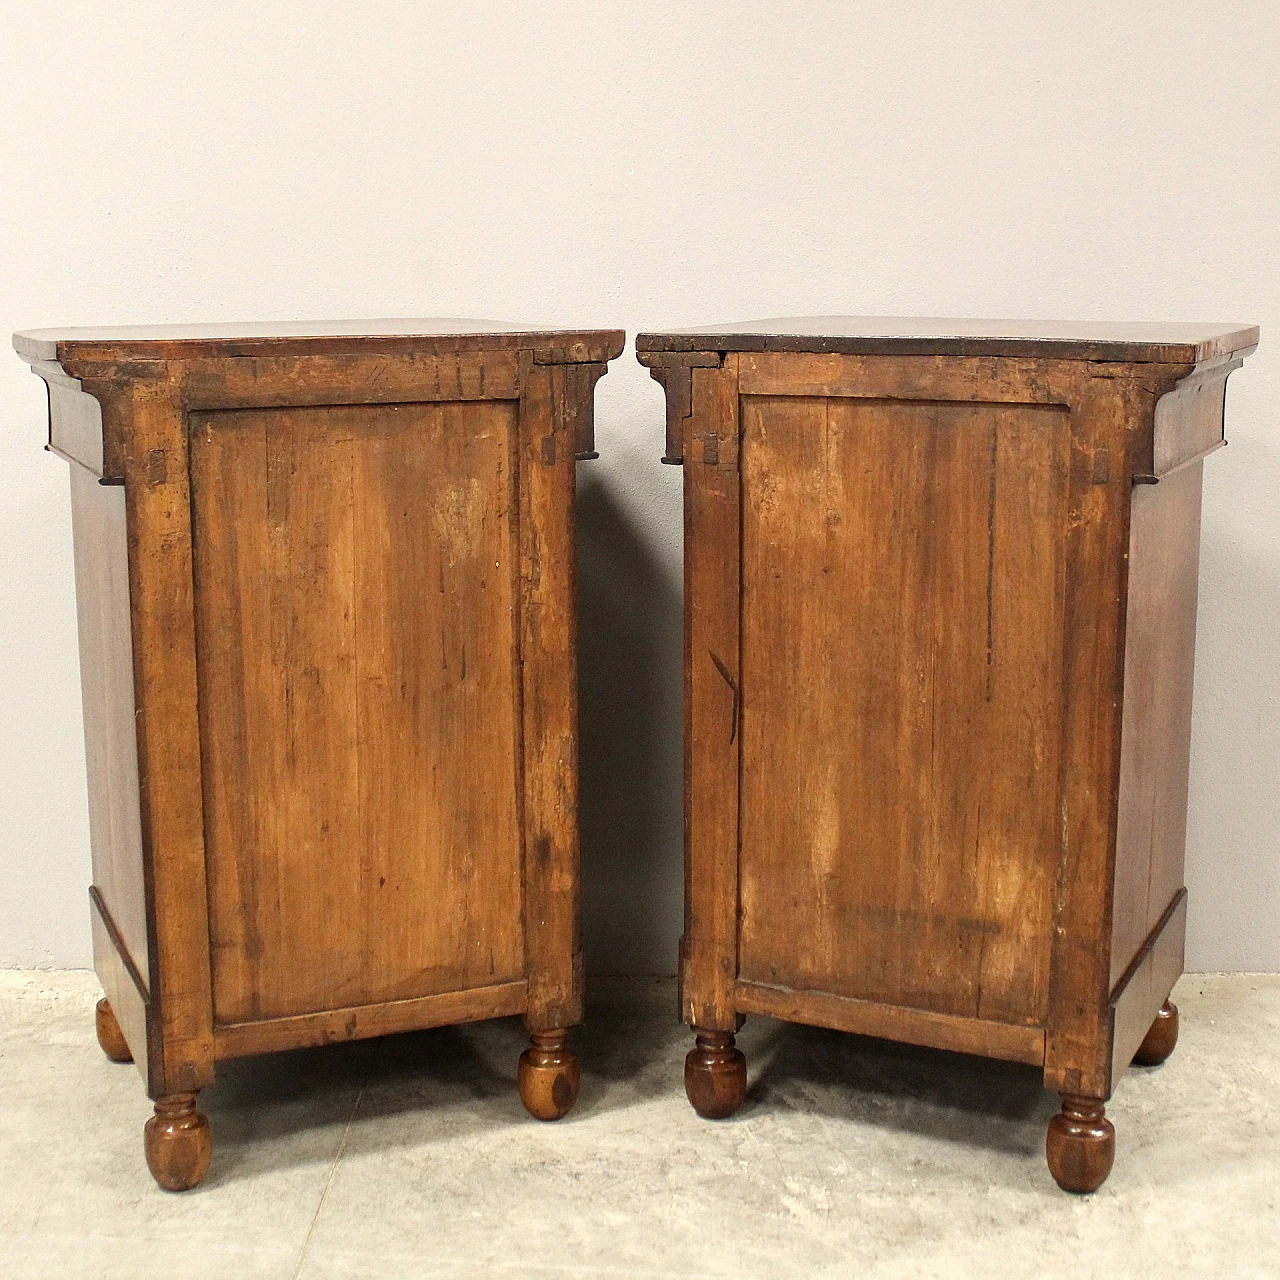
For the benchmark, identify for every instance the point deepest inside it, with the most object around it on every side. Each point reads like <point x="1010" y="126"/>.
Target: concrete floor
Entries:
<point x="412" y="1156"/>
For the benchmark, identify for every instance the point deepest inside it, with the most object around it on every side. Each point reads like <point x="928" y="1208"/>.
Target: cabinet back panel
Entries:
<point x="355" y="632"/>
<point x="901" y="699"/>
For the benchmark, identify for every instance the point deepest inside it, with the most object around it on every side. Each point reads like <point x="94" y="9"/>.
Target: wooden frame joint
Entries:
<point x="674" y="371"/>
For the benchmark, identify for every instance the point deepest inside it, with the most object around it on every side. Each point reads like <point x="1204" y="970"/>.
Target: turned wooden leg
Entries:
<point x="548" y="1075"/>
<point x="1161" y="1039"/>
<point x="110" y="1037"/>
<point x="177" y="1142"/>
<point x="1080" y="1145"/>
<point x="715" y="1074"/>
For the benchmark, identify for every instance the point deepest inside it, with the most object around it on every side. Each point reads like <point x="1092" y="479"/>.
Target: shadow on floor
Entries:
<point x="440" y="1085"/>
<point x="289" y="1108"/>
<point x="951" y="1096"/>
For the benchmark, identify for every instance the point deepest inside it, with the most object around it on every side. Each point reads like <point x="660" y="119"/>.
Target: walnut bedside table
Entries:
<point x="940" y="599"/>
<point x="325" y="588"/>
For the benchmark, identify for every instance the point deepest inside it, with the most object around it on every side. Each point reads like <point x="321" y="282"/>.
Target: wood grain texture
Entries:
<point x="580" y="407"/>
<point x="673" y="371"/>
<point x="421" y="337"/>
<point x="1080" y="1145"/>
<point x="100" y="539"/>
<point x="354" y="618"/>
<point x="333" y="1026"/>
<point x="902" y="607"/>
<point x="548" y="1075"/>
<point x="1009" y="1042"/>
<point x="1108" y="416"/>
<point x="708" y="948"/>
<point x="912" y="335"/>
<point x="971" y="378"/>
<point x="549" y="695"/>
<point x="959" y="566"/>
<point x="715" y="1074"/>
<point x="265" y="381"/>
<point x="161" y="594"/>
<point x="178" y="1143"/>
<point x="1155" y="746"/>
<point x="327" y="626"/>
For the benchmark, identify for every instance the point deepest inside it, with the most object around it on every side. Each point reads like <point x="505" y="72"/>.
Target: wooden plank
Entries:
<point x="980" y="379"/>
<point x="912" y="335"/>
<point x="354" y="614"/>
<point x="333" y="1026"/>
<point x="158" y="509"/>
<point x="437" y="695"/>
<point x="98" y="520"/>
<point x="267" y="381"/>
<point x="183" y="342"/>
<point x="1017" y="810"/>
<point x="1010" y="1042"/>
<point x="901" y="614"/>
<point x="712" y="503"/>
<point x="547" y="660"/>
<point x="1155" y="744"/>
<point x="1147" y="985"/>
<point x="1108" y="417"/>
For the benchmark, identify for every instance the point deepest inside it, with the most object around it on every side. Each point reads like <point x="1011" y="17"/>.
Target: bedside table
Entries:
<point x="940" y="599"/>
<point x="327" y="641"/>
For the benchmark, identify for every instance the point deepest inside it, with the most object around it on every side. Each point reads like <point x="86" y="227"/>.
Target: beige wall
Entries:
<point x="641" y="164"/>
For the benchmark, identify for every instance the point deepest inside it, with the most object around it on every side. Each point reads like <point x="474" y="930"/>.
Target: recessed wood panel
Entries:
<point x="901" y="699"/>
<point x="355" y="628"/>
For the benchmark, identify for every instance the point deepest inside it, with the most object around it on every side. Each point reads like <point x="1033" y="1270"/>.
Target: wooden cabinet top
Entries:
<point x="329" y="337"/>
<point x="907" y="335"/>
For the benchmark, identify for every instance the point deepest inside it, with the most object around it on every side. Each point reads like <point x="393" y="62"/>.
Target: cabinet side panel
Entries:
<point x="1155" y="741"/>
<point x="355" y="630"/>
<point x="106" y="682"/>
<point x="902" y="615"/>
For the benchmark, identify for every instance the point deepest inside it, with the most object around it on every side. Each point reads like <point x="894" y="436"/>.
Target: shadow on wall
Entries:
<point x="629" y="718"/>
<point x="1232" y="874"/>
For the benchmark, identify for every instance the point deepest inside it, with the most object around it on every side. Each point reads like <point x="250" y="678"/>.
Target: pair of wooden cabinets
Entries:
<point x="940" y="618"/>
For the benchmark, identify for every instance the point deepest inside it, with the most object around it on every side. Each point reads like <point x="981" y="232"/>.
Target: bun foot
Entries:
<point x="715" y="1075"/>
<point x="548" y="1076"/>
<point x="110" y="1037"/>
<point x="1161" y="1039"/>
<point x="1080" y="1145"/>
<point x="177" y="1142"/>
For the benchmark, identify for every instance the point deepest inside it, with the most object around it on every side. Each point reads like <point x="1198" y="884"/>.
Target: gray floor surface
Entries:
<point x="411" y="1156"/>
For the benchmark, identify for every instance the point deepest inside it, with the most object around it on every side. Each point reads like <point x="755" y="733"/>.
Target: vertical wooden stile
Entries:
<point x="713" y="699"/>
<point x="549" y="695"/>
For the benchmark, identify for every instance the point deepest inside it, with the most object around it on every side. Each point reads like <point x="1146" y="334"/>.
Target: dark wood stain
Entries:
<point x="910" y="335"/>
